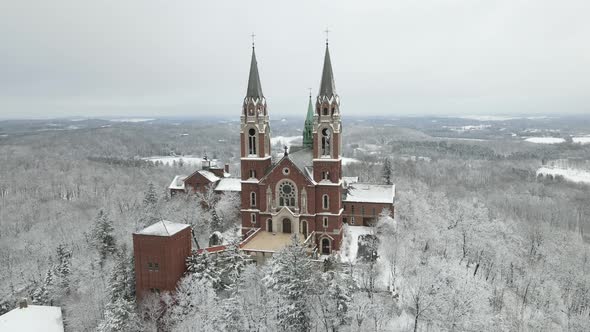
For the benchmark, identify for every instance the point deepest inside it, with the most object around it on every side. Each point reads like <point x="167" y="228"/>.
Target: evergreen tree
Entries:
<point x="102" y="236"/>
<point x="387" y="171"/>
<point x="121" y="280"/>
<point x="151" y="197"/>
<point x="43" y="294"/>
<point x="119" y="316"/>
<point x="231" y="263"/>
<point x="290" y="277"/>
<point x="120" y="313"/>
<point x="204" y="267"/>
<point x="64" y="265"/>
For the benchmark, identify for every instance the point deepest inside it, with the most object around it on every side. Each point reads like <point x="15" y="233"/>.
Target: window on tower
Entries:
<point x="325" y="202"/>
<point x="253" y="199"/>
<point x="251" y="141"/>
<point x="325" y="111"/>
<point x="252" y="174"/>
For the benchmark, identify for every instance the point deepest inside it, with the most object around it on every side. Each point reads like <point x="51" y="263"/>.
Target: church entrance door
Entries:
<point x="286" y="225"/>
<point x="325" y="246"/>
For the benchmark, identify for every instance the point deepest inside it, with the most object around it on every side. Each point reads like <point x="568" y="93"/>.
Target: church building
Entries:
<point x="304" y="192"/>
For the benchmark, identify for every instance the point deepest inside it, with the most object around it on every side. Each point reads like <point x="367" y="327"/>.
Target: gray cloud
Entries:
<point x="157" y="58"/>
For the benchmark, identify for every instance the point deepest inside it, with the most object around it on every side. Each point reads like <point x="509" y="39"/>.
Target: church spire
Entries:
<point x="308" y="127"/>
<point x="327" y="86"/>
<point x="254" y="86"/>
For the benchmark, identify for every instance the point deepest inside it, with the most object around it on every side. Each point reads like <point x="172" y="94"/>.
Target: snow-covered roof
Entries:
<point x="33" y="318"/>
<point x="209" y="175"/>
<point x="163" y="228"/>
<point x="229" y="184"/>
<point x="178" y="182"/>
<point x="370" y="193"/>
<point x="348" y="180"/>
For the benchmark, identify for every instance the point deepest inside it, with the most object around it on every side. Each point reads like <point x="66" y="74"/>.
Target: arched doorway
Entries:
<point x="269" y="225"/>
<point x="304" y="228"/>
<point x="326" y="246"/>
<point x="286" y="225"/>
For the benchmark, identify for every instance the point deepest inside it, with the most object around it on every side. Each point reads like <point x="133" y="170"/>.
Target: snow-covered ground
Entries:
<point x="350" y="245"/>
<point x="581" y="139"/>
<point x="574" y="175"/>
<point x="545" y="140"/>
<point x="169" y="160"/>
<point x="134" y="120"/>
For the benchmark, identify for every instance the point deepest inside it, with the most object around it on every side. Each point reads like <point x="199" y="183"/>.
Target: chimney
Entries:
<point x="205" y="163"/>
<point x="226" y="168"/>
<point x="23" y="303"/>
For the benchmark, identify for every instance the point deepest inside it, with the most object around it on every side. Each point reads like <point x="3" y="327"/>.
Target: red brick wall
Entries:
<point x="170" y="252"/>
<point x="196" y="182"/>
<point x="359" y="217"/>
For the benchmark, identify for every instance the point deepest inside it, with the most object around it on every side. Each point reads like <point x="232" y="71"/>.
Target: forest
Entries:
<point x="479" y="240"/>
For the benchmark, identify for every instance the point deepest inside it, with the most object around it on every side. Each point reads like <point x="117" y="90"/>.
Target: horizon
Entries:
<point x="399" y="58"/>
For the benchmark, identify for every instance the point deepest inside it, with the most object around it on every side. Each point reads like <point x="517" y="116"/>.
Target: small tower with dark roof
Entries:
<point x="308" y="126"/>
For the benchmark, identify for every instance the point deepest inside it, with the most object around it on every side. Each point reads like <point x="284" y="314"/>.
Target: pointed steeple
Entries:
<point x="308" y="127"/>
<point x="327" y="86"/>
<point x="254" y="86"/>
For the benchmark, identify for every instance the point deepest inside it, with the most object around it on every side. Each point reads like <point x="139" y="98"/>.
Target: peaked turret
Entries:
<point x="327" y="86"/>
<point x="254" y="86"/>
<point x="308" y="127"/>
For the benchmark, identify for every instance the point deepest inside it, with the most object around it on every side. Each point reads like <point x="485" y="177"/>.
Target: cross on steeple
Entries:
<point x="252" y="35"/>
<point x="327" y="31"/>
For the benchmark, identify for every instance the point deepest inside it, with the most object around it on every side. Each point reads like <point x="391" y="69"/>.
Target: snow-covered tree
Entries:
<point x="63" y="268"/>
<point x="119" y="316"/>
<point x="151" y="197"/>
<point x="102" y="236"/>
<point x="204" y="266"/>
<point x="43" y="294"/>
<point x="290" y="278"/>
<point x="332" y="298"/>
<point x="387" y="171"/>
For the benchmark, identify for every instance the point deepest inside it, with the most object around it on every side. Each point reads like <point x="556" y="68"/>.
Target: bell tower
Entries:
<point x="254" y="128"/>
<point x="327" y="127"/>
<point x="327" y="162"/>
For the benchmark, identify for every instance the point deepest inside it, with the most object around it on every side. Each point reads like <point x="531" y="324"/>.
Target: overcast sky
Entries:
<point x="167" y="58"/>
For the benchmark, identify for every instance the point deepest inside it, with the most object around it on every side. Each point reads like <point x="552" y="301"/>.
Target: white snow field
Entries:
<point x="33" y="318"/>
<point x="581" y="139"/>
<point x="545" y="140"/>
<point x="574" y="175"/>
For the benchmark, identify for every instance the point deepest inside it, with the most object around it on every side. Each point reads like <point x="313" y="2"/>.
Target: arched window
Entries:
<point x="287" y="194"/>
<point x="326" y="141"/>
<point x="325" y="202"/>
<point x="251" y="141"/>
<point x="325" y="111"/>
<point x="253" y="199"/>
<point x="325" y="222"/>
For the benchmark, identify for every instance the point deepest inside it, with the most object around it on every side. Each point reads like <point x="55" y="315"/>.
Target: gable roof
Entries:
<point x="178" y="182"/>
<point x="229" y="184"/>
<point x="33" y="318"/>
<point x="288" y="159"/>
<point x="370" y="193"/>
